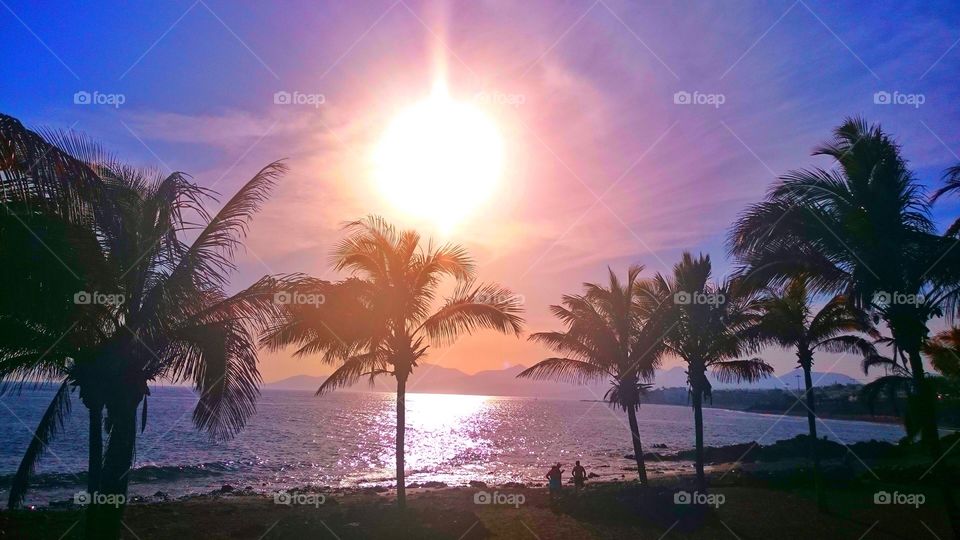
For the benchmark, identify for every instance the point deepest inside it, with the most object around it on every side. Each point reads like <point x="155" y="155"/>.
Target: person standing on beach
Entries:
<point x="579" y="476"/>
<point x="554" y="477"/>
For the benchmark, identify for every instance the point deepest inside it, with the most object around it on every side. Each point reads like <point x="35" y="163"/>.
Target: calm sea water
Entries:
<point x="347" y="439"/>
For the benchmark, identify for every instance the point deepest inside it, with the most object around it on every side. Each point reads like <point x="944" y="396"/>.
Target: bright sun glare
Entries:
<point x="439" y="160"/>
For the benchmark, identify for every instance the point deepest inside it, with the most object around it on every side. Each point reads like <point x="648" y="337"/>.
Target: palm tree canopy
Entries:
<point x="384" y="318"/>
<point x="943" y="350"/>
<point x="612" y="331"/>
<point x="709" y="324"/>
<point x="786" y="318"/>
<point x="862" y="230"/>
<point x="98" y="228"/>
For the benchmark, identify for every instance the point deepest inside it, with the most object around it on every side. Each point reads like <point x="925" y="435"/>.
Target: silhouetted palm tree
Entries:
<point x="708" y="325"/>
<point x="951" y="185"/>
<point x="786" y="318"/>
<point x="613" y="333"/>
<point x="863" y="230"/>
<point x="943" y="350"/>
<point x="168" y="317"/>
<point x="383" y="320"/>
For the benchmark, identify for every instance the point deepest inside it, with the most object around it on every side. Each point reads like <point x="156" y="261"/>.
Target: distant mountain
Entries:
<point x="674" y="377"/>
<point x="431" y="378"/>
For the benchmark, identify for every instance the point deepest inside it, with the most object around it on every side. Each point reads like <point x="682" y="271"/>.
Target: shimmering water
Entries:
<point x="347" y="439"/>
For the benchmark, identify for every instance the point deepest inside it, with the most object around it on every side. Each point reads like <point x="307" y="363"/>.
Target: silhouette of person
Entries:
<point x="554" y="477"/>
<point x="579" y="475"/>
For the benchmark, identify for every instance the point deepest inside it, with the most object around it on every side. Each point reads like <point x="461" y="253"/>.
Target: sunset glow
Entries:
<point x="439" y="160"/>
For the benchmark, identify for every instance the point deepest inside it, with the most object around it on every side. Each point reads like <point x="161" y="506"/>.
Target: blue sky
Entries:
<point x="603" y="166"/>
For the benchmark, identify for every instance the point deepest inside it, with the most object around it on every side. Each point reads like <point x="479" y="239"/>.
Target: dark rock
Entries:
<point x="227" y="488"/>
<point x="593" y="475"/>
<point x="478" y="484"/>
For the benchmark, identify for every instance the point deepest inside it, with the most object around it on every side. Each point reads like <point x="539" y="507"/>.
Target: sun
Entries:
<point x="439" y="160"/>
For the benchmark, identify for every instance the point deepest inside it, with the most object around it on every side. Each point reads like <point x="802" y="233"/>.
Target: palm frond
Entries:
<point x="749" y="370"/>
<point x="471" y="308"/>
<point x="565" y="370"/>
<point x="51" y="423"/>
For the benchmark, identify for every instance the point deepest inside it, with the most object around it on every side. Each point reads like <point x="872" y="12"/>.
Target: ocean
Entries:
<point x="346" y="439"/>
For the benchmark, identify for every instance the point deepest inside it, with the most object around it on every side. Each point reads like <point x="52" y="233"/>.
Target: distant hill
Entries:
<point x="430" y="378"/>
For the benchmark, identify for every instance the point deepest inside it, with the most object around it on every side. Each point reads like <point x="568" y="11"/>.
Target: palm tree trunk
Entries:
<point x="930" y="435"/>
<point x="104" y="516"/>
<point x="637" y="447"/>
<point x="401" y="429"/>
<point x="698" y="430"/>
<point x="95" y="450"/>
<point x="807" y="364"/>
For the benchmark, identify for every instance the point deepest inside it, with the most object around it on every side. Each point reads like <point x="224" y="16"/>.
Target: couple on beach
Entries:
<point x="555" y="474"/>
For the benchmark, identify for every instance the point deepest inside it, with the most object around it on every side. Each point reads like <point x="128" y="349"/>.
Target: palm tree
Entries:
<point x="943" y="350"/>
<point x="170" y="318"/>
<point x="383" y="320"/>
<point x="786" y="318"/>
<point x="48" y="196"/>
<point x="863" y="230"/>
<point x="708" y="328"/>
<point x="951" y="184"/>
<point x="611" y="332"/>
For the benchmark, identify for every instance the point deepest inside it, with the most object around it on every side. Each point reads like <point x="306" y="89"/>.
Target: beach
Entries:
<point x="757" y="504"/>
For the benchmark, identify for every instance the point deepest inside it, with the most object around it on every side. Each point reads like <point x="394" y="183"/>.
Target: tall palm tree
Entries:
<point x="863" y="230"/>
<point x="170" y="318"/>
<point x="383" y="320"/>
<point x="786" y="318"/>
<point x="708" y="329"/>
<point x="614" y="333"/>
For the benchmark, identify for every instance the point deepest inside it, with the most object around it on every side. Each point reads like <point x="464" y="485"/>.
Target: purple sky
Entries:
<point x="602" y="166"/>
